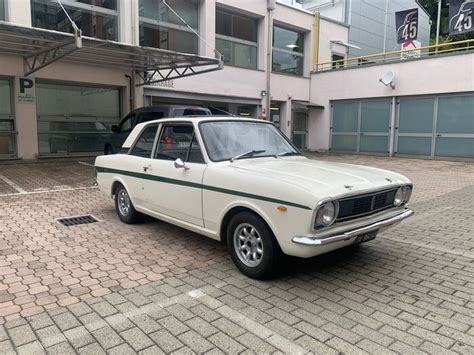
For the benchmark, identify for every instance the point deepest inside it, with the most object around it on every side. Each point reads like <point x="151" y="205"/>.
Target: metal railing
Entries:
<point x="397" y="56"/>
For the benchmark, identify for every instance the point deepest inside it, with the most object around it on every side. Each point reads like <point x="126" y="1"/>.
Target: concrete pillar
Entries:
<point x="207" y="27"/>
<point x="27" y="127"/>
<point x="19" y="12"/>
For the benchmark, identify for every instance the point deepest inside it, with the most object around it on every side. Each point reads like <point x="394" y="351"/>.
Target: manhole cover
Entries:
<point x="77" y="220"/>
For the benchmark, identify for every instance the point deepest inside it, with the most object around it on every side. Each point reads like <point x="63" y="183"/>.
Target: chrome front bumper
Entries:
<point x="352" y="233"/>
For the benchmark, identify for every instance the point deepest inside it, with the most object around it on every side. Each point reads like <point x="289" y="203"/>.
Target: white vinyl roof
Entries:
<point x="40" y="48"/>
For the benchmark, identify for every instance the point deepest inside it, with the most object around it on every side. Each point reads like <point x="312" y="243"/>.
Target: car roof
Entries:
<point x="192" y="119"/>
<point x="166" y="107"/>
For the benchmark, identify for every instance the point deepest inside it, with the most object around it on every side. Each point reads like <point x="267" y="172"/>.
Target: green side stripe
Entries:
<point x="198" y="186"/>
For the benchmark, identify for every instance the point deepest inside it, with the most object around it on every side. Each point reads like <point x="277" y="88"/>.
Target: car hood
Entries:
<point x="324" y="179"/>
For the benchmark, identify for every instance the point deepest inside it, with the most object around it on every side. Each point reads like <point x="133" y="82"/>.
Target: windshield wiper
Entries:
<point x="247" y="154"/>
<point x="285" y="154"/>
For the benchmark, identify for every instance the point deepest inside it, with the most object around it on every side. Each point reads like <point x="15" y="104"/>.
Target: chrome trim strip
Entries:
<point x="311" y="240"/>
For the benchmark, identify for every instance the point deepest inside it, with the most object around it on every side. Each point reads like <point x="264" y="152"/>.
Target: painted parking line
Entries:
<point x="12" y="185"/>
<point x="84" y="163"/>
<point x="48" y="191"/>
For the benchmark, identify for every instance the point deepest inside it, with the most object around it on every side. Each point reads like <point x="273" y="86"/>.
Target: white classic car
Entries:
<point x="243" y="182"/>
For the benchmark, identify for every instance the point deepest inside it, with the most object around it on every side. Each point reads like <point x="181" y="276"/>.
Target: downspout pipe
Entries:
<point x="270" y="7"/>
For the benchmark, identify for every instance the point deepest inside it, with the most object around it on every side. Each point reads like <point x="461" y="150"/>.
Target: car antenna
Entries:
<point x="223" y="111"/>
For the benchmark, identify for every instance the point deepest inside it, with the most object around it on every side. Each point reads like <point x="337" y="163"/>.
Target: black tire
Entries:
<point x="127" y="215"/>
<point x="271" y="253"/>
<point x="109" y="150"/>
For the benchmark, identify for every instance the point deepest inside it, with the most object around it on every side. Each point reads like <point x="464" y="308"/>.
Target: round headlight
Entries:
<point x="327" y="214"/>
<point x="399" y="197"/>
<point x="407" y="193"/>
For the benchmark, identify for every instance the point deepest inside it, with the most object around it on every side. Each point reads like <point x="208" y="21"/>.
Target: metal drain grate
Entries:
<point x="77" y="220"/>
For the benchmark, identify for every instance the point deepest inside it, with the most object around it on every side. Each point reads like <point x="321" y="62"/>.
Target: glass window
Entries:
<point x="144" y="145"/>
<point x="96" y="18"/>
<point x="69" y="100"/>
<point x="174" y="142"/>
<point x="161" y="28"/>
<point x="75" y="119"/>
<point x="375" y="116"/>
<point x="5" y="98"/>
<point x="2" y="10"/>
<point x="236" y="39"/>
<point x="288" y="51"/>
<point x="456" y="115"/>
<point x="127" y="124"/>
<point x="227" y="139"/>
<point x="345" y="116"/>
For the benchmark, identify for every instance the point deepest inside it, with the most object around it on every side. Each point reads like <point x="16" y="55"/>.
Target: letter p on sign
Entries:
<point x="26" y="92"/>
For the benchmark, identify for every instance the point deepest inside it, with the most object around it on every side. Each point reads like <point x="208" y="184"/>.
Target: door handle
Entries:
<point x="439" y="135"/>
<point x="147" y="168"/>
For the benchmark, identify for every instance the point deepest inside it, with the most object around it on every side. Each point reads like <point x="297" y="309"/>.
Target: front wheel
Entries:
<point x="124" y="206"/>
<point x="252" y="246"/>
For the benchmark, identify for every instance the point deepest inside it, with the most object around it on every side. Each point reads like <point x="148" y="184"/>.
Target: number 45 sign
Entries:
<point x="407" y="25"/>
<point x="461" y="16"/>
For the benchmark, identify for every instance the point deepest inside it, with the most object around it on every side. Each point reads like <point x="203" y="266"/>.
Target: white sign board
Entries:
<point x="410" y="49"/>
<point x="25" y="90"/>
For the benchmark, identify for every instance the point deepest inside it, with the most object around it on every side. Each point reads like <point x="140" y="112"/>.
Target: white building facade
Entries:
<point x="76" y="103"/>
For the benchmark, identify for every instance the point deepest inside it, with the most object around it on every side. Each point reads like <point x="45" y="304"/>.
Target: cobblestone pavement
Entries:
<point x="152" y="288"/>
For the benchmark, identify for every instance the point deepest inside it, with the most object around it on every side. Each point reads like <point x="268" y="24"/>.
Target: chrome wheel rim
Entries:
<point x="123" y="202"/>
<point x="248" y="245"/>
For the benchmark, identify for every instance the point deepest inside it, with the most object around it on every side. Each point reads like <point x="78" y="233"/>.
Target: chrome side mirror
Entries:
<point x="180" y="164"/>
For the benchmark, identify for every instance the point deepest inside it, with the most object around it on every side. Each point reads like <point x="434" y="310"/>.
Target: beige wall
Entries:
<point x="331" y="31"/>
<point x="25" y="114"/>
<point x="437" y="75"/>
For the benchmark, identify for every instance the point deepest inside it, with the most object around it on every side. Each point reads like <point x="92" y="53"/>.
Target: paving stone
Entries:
<point x="152" y="350"/>
<point x="119" y="322"/>
<point x="205" y="313"/>
<point x="79" y="337"/>
<point x="228" y="327"/>
<point x="92" y="349"/>
<point x="30" y="349"/>
<point x="173" y="325"/>
<point x="195" y="341"/>
<point x="50" y="336"/>
<point x="104" y="309"/>
<point x="40" y="321"/>
<point x="80" y="309"/>
<point x="136" y="339"/>
<point x="166" y="341"/>
<point x="66" y="321"/>
<point x="22" y="335"/>
<point x="178" y="311"/>
<point x="284" y="329"/>
<point x="252" y="342"/>
<point x="61" y="349"/>
<point x="226" y="343"/>
<point x="6" y="347"/>
<point x="122" y="349"/>
<point x="145" y="323"/>
<point x="107" y="337"/>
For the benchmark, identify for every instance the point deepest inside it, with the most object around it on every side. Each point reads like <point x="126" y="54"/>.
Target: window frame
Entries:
<point x="239" y="40"/>
<point x="89" y="9"/>
<point x="194" y="136"/>
<point x="138" y="139"/>
<point x="156" y="24"/>
<point x="5" y="10"/>
<point x="12" y="118"/>
<point x="288" y="51"/>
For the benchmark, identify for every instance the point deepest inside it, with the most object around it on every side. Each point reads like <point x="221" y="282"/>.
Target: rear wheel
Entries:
<point x="124" y="206"/>
<point x="252" y="246"/>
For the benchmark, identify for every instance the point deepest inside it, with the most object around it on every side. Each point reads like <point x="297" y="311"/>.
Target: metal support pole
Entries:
<point x="385" y="27"/>
<point x="270" y="6"/>
<point x="438" y="24"/>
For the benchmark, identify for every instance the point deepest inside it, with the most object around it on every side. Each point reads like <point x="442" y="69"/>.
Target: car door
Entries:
<point x="137" y="162"/>
<point x="175" y="185"/>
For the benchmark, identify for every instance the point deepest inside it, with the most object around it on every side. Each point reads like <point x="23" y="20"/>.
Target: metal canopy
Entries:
<point x="306" y="105"/>
<point x="40" y="48"/>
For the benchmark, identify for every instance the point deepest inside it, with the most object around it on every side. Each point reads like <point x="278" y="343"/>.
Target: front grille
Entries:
<point x="359" y="206"/>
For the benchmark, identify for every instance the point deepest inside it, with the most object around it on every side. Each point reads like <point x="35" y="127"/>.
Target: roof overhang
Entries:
<point x="40" y="48"/>
<point x="306" y="105"/>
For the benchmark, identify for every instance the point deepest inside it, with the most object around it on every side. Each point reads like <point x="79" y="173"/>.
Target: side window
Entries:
<point x="144" y="145"/>
<point x="126" y="125"/>
<point x="178" y="141"/>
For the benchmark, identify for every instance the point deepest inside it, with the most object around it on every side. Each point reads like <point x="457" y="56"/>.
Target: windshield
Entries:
<point x="225" y="140"/>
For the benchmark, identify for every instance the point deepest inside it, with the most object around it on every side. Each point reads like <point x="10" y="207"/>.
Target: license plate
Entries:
<point x="365" y="238"/>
